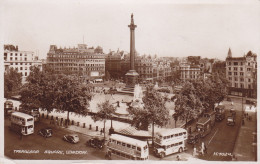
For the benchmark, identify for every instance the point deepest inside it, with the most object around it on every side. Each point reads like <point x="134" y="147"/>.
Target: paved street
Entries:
<point x="36" y="142"/>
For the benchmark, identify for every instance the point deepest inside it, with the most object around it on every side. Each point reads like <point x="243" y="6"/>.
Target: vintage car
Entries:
<point x="96" y="142"/>
<point x="193" y="138"/>
<point x="231" y="120"/>
<point x="72" y="138"/>
<point x="46" y="132"/>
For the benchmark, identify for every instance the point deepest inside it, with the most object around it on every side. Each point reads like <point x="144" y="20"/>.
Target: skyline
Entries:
<point x="164" y="29"/>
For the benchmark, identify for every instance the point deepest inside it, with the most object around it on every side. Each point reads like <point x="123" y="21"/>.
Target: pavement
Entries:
<point x="246" y="146"/>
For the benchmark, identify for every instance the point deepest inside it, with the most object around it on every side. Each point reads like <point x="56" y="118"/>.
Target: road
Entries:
<point x="220" y="143"/>
<point x="42" y="145"/>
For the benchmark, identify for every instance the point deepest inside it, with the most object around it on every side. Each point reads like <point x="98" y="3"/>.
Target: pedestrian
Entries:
<point x="205" y="149"/>
<point x="178" y="157"/>
<point x="232" y="103"/>
<point x="194" y="151"/>
<point x="243" y="122"/>
<point x="101" y="131"/>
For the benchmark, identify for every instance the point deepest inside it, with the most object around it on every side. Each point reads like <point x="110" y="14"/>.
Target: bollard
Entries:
<point x="96" y="128"/>
<point x="77" y="123"/>
<point x="90" y="127"/>
<point x="84" y="125"/>
<point x="72" y="122"/>
<point x="42" y="115"/>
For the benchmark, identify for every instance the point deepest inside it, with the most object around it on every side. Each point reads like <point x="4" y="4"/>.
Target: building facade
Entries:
<point x="241" y="73"/>
<point x="87" y="63"/>
<point x="149" y="68"/>
<point x="189" y="71"/>
<point x="20" y="60"/>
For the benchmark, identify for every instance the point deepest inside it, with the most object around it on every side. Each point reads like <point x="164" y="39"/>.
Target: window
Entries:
<point x="241" y="63"/>
<point x="236" y="85"/>
<point x="20" y="54"/>
<point x="138" y="148"/>
<point x="235" y="63"/>
<point x="123" y="144"/>
<point x="248" y="64"/>
<point x="11" y="54"/>
<point x="119" y="143"/>
<point x="21" y="68"/>
<point x="249" y="80"/>
<point x="133" y="147"/>
<point x="241" y="68"/>
<point x="241" y="73"/>
<point x="241" y="85"/>
<point x="241" y="79"/>
<point x="235" y="68"/>
<point x="229" y="73"/>
<point x="229" y="68"/>
<point x="25" y="59"/>
<point x="235" y="78"/>
<point x="11" y="58"/>
<point x="230" y="78"/>
<point x="15" y="54"/>
<point x="235" y="73"/>
<point x="249" y="86"/>
<point x="248" y="69"/>
<point x="129" y="146"/>
<point x="229" y="63"/>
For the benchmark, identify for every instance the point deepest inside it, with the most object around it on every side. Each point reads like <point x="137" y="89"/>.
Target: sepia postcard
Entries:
<point x="130" y="81"/>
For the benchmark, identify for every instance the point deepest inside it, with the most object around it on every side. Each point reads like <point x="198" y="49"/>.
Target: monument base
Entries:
<point x="131" y="78"/>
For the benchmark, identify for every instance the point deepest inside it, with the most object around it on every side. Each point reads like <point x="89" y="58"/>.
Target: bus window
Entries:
<point x="180" y="143"/>
<point x="168" y="146"/>
<point x="184" y="133"/>
<point x="138" y="148"/>
<point x="123" y="144"/>
<point x="114" y="141"/>
<point x="30" y="126"/>
<point x="164" y="137"/>
<point x="30" y="119"/>
<point x="133" y="147"/>
<point x="129" y="146"/>
<point x="168" y="137"/>
<point x="171" y="136"/>
<point x="176" y="135"/>
<point x="110" y="140"/>
<point x="119" y="143"/>
<point x="145" y="147"/>
<point x="160" y="137"/>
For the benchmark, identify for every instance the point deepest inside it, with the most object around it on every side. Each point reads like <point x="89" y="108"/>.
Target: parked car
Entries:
<point x="194" y="138"/>
<point x="45" y="132"/>
<point x="220" y="112"/>
<point x="72" y="138"/>
<point x="231" y="120"/>
<point x="96" y="142"/>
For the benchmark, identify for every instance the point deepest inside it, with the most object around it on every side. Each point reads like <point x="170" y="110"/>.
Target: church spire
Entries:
<point x="229" y="53"/>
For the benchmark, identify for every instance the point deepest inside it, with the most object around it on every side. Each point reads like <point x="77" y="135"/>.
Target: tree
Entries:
<point x="105" y="112"/>
<point x="39" y="91"/>
<point x="153" y="112"/>
<point x="12" y="82"/>
<point x="71" y="96"/>
<point x="188" y="104"/>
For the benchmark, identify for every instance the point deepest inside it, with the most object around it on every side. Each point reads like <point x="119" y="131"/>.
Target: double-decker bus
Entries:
<point x="22" y="123"/>
<point x="8" y="107"/>
<point x="127" y="148"/>
<point x="169" y="141"/>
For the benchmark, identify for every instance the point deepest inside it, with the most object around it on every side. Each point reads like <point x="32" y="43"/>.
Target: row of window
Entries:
<point x="127" y="145"/>
<point x="20" y="63"/>
<point x="16" y="59"/>
<point x="127" y="156"/>
<point x="173" y="145"/>
<point x="173" y="135"/>
<point x="77" y="57"/>
<point x="15" y="54"/>
<point x="236" y="79"/>
<point x="80" y="69"/>
<point x="238" y="63"/>
<point x="241" y="69"/>
<point x="242" y="86"/>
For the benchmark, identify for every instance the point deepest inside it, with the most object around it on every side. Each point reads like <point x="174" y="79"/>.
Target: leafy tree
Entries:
<point x="105" y="112"/>
<point x="188" y="104"/>
<point x="71" y="96"/>
<point x="153" y="112"/>
<point x="12" y="82"/>
<point x="39" y="91"/>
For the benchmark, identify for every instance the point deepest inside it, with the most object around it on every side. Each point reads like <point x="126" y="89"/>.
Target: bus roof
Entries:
<point x="203" y="120"/>
<point x="19" y="114"/>
<point x="166" y="132"/>
<point x="128" y="140"/>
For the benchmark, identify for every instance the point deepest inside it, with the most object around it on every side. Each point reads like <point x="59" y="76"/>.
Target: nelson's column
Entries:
<point x="132" y="75"/>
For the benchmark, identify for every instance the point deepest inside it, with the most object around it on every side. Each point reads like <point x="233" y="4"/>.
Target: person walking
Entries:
<point x="194" y="152"/>
<point x="205" y="149"/>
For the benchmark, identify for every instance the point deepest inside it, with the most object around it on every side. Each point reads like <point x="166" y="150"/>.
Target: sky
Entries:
<point x="166" y="28"/>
